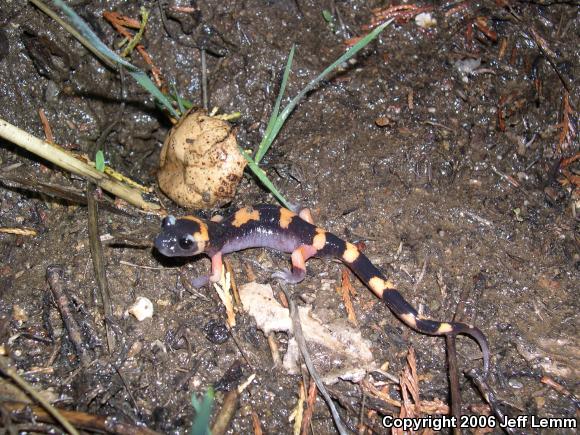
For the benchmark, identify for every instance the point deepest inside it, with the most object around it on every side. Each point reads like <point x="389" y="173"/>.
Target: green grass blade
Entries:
<point x="137" y="38"/>
<point x="145" y="82"/>
<point x="88" y="33"/>
<point x="74" y="32"/>
<point x="203" y="409"/>
<point x="178" y="99"/>
<point x="135" y="72"/>
<point x="259" y="172"/>
<point x="277" y="121"/>
<point x="327" y="15"/>
<point x="100" y="161"/>
<point x="266" y="142"/>
<point x="347" y="55"/>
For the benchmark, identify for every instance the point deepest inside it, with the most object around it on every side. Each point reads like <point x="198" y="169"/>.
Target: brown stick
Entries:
<point x="453" y="381"/>
<point x="546" y="380"/>
<point x="97" y="257"/>
<point x="490" y="397"/>
<point x="346" y="290"/>
<point x="54" y="278"/>
<point x="46" y="126"/>
<point x="24" y="412"/>
<point x="256" y="424"/>
<point x="59" y="191"/>
<point x="452" y="352"/>
<point x="226" y="414"/>
<point x="311" y="399"/>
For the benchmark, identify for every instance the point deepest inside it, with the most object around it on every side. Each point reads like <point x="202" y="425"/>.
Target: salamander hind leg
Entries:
<point x="298" y="272"/>
<point x="216" y="273"/>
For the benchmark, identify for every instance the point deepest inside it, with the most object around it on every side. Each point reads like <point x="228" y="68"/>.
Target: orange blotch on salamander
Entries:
<point x="286" y="217"/>
<point x="351" y="253"/>
<point x="245" y="215"/>
<point x="319" y="240"/>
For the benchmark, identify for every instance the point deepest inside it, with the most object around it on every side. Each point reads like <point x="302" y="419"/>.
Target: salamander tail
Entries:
<point x="405" y="311"/>
<point x="385" y="290"/>
<point x="479" y="337"/>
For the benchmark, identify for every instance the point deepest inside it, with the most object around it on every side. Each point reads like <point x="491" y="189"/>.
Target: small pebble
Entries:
<point x="514" y="383"/>
<point x="383" y="121"/>
<point x="142" y="309"/>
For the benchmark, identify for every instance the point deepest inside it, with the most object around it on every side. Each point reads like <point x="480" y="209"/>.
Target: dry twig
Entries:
<point x="54" y="278"/>
<point x="46" y="126"/>
<point x="235" y="292"/>
<point x="298" y="412"/>
<point x="310" y="401"/>
<point x="546" y="380"/>
<point x="223" y="290"/>
<point x="409" y="384"/>
<point x="18" y="231"/>
<point x="121" y="24"/>
<point x="98" y="260"/>
<point x="226" y="413"/>
<point x="256" y="425"/>
<point x="567" y="126"/>
<point x="274" y="350"/>
<point x="299" y="336"/>
<point x="62" y="158"/>
<point x="94" y="423"/>
<point x="346" y="290"/>
<point x="54" y="414"/>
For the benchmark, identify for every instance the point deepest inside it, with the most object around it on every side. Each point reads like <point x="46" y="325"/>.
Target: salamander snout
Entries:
<point x="166" y="245"/>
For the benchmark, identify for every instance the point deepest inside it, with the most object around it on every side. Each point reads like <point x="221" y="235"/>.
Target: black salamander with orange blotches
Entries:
<point x="270" y="226"/>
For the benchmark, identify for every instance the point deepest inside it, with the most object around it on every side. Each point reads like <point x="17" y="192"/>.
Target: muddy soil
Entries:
<point x="438" y="148"/>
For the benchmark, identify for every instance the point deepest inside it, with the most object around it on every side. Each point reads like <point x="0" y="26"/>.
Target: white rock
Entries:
<point x="142" y="309"/>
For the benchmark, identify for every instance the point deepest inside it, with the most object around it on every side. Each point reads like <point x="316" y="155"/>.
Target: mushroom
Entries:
<point x="200" y="165"/>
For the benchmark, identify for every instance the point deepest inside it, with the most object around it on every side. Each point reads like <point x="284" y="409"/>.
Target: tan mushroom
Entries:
<point x="201" y="165"/>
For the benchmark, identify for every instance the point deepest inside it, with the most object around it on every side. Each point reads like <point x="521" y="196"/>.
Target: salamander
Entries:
<point x="270" y="226"/>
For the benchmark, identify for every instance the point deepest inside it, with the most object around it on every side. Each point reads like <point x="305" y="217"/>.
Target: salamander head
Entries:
<point x="182" y="237"/>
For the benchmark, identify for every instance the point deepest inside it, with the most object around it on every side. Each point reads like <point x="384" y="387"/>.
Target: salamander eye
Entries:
<point x="186" y="242"/>
<point x="168" y="221"/>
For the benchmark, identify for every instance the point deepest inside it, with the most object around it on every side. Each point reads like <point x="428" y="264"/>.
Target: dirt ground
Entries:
<point x="441" y="149"/>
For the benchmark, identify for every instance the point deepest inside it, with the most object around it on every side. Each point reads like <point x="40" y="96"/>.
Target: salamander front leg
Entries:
<point x="216" y="267"/>
<point x="298" y="268"/>
<point x="216" y="273"/>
